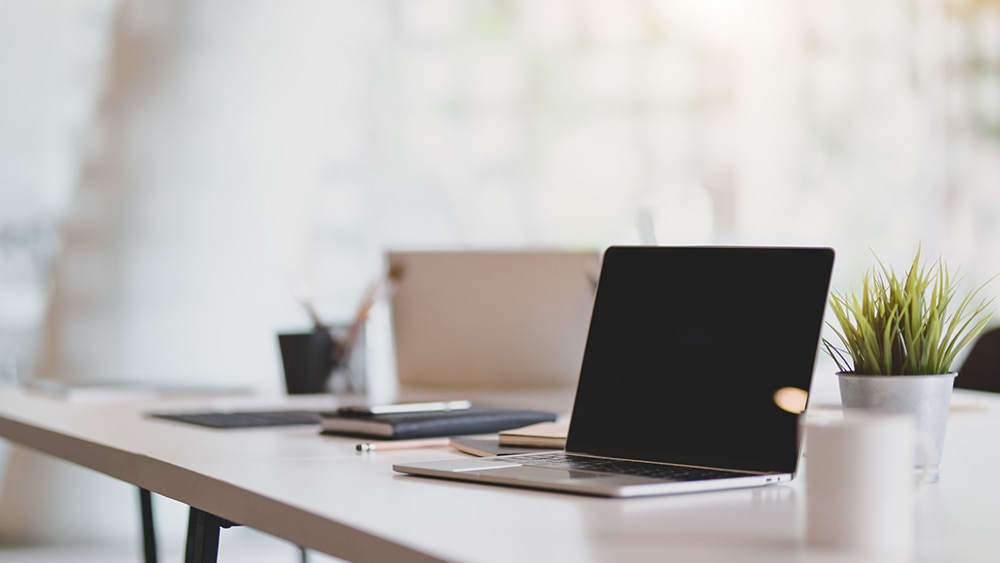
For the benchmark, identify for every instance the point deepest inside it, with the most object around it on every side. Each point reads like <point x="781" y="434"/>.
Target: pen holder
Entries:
<point x="321" y="361"/>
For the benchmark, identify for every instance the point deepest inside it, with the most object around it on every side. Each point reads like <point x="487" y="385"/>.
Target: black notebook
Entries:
<point x="476" y="420"/>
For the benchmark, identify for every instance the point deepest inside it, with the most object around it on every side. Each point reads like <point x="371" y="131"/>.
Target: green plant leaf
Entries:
<point x="905" y="324"/>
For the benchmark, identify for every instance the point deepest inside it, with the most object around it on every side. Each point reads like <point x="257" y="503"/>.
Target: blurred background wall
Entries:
<point x="170" y="170"/>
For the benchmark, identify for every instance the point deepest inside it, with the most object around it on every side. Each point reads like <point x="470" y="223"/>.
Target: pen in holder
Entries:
<point x="348" y="355"/>
<point x="323" y="360"/>
<point x="331" y="358"/>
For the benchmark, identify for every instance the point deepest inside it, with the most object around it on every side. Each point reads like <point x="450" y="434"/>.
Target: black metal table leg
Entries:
<point x="148" y="530"/>
<point x="203" y="536"/>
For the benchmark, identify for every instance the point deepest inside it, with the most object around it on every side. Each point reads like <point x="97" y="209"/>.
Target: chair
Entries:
<point x="981" y="369"/>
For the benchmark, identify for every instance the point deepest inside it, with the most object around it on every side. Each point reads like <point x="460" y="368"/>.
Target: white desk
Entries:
<point x="319" y="493"/>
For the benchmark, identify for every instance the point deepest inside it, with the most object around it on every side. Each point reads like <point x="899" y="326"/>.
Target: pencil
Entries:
<point x="402" y="445"/>
<point x="382" y="287"/>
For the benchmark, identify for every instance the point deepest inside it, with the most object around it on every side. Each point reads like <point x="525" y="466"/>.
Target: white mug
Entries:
<point x="860" y="485"/>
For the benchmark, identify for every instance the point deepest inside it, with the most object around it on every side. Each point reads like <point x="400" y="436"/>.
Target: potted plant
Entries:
<point x="898" y="338"/>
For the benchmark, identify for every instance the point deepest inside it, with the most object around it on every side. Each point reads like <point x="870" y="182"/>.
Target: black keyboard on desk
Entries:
<point x="245" y="419"/>
<point x="559" y="460"/>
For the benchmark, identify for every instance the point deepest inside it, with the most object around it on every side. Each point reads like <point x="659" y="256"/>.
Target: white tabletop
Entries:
<point x="316" y="491"/>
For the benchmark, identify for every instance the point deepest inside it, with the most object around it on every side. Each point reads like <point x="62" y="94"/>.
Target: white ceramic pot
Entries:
<point x="927" y="398"/>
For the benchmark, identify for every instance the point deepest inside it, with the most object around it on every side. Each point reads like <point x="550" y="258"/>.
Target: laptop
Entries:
<point x="491" y="318"/>
<point x="695" y="373"/>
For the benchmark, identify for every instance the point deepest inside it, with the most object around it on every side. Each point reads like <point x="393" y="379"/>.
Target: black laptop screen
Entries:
<point x="688" y="349"/>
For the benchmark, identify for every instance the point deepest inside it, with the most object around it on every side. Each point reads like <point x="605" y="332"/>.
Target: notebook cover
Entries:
<point x="477" y="420"/>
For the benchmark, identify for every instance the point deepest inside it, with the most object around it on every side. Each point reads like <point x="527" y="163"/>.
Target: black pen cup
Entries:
<point x="324" y="360"/>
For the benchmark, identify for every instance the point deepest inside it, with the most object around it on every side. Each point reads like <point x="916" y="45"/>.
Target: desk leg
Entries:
<point x="203" y="536"/>
<point x="148" y="530"/>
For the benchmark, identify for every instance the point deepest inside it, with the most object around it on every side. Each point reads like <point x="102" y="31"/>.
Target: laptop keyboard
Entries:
<point x="558" y="460"/>
<point x="247" y="419"/>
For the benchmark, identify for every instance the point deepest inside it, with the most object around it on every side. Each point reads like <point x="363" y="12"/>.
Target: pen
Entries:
<point x="402" y="445"/>
<point x="301" y="295"/>
<point x="367" y="301"/>
<point x="383" y="287"/>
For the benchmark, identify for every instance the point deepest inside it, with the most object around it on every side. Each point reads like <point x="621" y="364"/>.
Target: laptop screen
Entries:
<point x="688" y="349"/>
